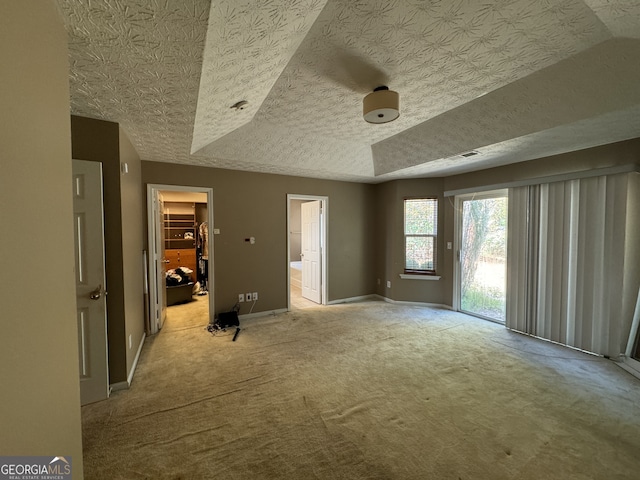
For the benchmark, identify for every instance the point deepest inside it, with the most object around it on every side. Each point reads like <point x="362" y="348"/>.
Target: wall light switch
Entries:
<point x="388" y="283"/>
<point x="449" y="246"/>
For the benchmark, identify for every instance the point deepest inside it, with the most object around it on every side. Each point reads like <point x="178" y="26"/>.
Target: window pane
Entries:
<point x="421" y="216"/>
<point x="419" y="253"/>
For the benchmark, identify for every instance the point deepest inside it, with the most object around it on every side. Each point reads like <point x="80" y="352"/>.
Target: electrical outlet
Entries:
<point x="248" y="296"/>
<point x="255" y="296"/>
<point x="241" y="297"/>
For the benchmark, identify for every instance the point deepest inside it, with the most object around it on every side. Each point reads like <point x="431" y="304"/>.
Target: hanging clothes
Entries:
<point x="204" y="240"/>
<point x="203" y="264"/>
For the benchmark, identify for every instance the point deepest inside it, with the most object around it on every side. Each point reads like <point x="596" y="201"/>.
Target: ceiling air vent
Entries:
<point x="469" y="154"/>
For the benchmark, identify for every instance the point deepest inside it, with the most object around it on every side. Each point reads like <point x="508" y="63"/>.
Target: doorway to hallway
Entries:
<point x="306" y="246"/>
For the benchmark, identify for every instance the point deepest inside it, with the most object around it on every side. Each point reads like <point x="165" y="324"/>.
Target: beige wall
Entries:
<point x="390" y="254"/>
<point x="366" y="239"/>
<point x="101" y="141"/>
<point x="295" y="230"/>
<point x="612" y="155"/>
<point x="251" y="204"/>
<point x="40" y="394"/>
<point x="615" y="154"/>
<point x="133" y="231"/>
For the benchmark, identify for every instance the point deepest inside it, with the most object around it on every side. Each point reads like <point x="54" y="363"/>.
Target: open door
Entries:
<point x="157" y="259"/>
<point x="311" y="251"/>
<point x="159" y="308"/>
<point x="90" y="280"/>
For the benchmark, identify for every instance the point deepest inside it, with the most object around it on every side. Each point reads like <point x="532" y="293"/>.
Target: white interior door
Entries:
<point x="160" y="284"/>
<point x="311" y="251"/>
<point x="90" y="280"/>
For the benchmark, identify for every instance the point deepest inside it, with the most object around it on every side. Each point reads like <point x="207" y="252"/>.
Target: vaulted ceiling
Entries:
<point x="510" y="79"/>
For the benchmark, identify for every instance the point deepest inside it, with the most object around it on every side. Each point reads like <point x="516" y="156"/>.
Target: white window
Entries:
<point x="420" y="235"/>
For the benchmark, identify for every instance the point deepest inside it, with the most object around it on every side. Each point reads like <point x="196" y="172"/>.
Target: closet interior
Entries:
<point x="185" y="246"/>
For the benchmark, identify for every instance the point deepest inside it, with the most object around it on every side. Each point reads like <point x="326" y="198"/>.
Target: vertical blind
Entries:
<point x="567" y="248"/>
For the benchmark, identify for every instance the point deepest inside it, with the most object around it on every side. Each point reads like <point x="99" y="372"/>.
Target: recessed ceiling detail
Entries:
<point x="489" y="76"/>
<point x="249" y="43"/>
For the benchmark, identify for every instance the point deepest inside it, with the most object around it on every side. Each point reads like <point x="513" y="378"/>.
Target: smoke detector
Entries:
<point x="240" y="105"/>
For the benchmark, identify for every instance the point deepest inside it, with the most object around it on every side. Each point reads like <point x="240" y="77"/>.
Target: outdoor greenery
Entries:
<point x="489" y="302"/>
<point x="484" y="243"/>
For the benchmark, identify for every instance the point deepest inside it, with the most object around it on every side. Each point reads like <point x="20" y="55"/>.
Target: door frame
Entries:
<point x="457" y="235"/>
<point x="629" y="363"/>
<point x="152" y="188"/>
<point x="324" y="242"/>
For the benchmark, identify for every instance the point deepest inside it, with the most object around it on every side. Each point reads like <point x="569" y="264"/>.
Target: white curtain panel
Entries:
<point x="572" y="263"/>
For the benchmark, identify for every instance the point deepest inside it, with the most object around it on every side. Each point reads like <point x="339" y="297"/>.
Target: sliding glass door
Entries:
<point x="482" y="254"/>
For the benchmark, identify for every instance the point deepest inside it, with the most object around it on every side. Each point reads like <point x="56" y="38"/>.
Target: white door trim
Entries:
<point x="324" y="222"/>
<point x="152" y="188"/>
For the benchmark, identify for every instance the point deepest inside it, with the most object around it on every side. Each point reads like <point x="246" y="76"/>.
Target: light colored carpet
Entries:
<point x="364" y="391"/>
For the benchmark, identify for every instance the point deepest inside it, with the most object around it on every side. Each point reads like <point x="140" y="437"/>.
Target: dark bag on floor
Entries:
<point x="228" y="319"/>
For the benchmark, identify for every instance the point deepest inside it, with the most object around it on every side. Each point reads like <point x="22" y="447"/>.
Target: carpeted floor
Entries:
<point x="364" y="391"/>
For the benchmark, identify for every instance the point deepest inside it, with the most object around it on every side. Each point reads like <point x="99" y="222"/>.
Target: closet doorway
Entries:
<point x="181" y="253"/>
<point x="307" y="250"/>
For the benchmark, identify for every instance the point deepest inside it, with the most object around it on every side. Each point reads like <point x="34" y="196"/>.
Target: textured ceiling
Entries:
<point x="511" y="79"/>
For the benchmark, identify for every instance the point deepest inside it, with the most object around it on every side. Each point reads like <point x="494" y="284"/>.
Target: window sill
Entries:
<point x="410" y="276"/>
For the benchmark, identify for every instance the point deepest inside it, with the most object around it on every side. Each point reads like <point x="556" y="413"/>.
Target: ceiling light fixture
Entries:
<point x="381" y="106"/>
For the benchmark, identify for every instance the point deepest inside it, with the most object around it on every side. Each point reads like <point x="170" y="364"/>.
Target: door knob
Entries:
<point x="96" y="294"/>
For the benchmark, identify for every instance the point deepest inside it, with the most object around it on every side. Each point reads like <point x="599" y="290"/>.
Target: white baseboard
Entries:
<point x="630" y="365"/>
<point x="135" y="360"/>
<point x="374" y="296"/>
<point x="114" y="387"/>
<point x="361" y="298"/>
<point x="262" y="314"/>
<point x="417" y="304"/>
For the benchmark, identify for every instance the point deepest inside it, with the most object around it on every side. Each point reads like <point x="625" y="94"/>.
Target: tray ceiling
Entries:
<point x="510" y="79"/>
